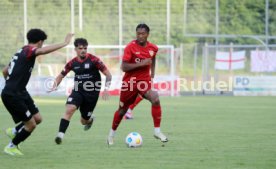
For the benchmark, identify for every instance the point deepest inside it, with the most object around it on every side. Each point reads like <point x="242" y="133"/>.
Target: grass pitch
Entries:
<point x="203" y="132"/>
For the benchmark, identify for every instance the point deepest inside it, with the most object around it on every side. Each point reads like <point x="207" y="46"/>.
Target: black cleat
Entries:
<point x="58" y="140"/>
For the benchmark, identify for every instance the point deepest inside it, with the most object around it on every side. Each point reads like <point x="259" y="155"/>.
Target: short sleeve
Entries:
<point x="99" y="64"/>
<point x="127" y="54"/>
<point x="30" y="52"/>
<point x="155" y="50"/>
<point x="67" y="68"/>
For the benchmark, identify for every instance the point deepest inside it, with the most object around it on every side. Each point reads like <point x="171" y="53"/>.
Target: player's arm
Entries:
<point x="54" y="47"/>
<point x="131" y="66"/>
<point x="5" y="71"/>
<point x="108" y="78"/>
<point x="58" y="79"/>
<point x="56" y="83"/>
<point x="153" y="67"/>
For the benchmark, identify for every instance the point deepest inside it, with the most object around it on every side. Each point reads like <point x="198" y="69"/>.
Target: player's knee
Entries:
<point x="38" y="119"/>
<point x="70" y="111"/>
<point x="155" y="99"/>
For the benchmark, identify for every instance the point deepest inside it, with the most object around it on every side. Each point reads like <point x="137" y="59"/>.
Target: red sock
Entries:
<point x="138" y="99"/>
<point x="116" y="120"/>
<point x="156" y="113"/>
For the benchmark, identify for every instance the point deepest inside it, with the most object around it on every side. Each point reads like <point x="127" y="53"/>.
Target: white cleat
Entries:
<point x="110" y="140"/>
<point x="161" y="136"/>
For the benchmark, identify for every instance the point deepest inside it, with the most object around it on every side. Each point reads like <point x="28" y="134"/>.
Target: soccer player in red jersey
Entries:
<point x="138" y="64"/>
<point x="15" y="96"/>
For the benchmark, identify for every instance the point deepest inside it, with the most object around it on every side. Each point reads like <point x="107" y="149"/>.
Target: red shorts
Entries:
<point x="129" y="92"/>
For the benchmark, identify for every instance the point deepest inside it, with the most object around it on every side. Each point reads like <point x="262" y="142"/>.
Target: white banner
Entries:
<point x="229" y="60"/>
<point x="254" y="86"/>
<point x="263" y="61"/>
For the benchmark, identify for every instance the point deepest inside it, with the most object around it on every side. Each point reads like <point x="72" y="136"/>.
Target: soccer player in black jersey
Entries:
<point x="15" y="96"/>
<point x="87" y="86"/>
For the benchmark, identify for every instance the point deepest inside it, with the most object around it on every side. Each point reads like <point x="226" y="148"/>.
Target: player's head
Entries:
<point x="142" y="33"/>
<point x="81" y="47"/>
<point x="36" y="36"/>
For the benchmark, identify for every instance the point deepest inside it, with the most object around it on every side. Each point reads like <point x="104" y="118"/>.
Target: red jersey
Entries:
<point x="134" y="53"/>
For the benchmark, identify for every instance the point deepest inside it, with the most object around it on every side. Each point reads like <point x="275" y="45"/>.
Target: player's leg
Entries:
<point x="33" y="108"/>
<point x="156" y="112"/>
<point x="72" y="104"/>
<point x="22" y="135"/>
<point x="19" y="111"/>
<point x="87" y="109"/>
<point x="11" y="132"/>
<point x="129" y="114"/>
<point x="126" y="99"/>
<point x="64" y="122"/>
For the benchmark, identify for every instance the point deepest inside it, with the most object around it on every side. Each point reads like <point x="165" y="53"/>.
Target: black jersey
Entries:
<point x="20" y="69"/>
<point x="87" y="75"/>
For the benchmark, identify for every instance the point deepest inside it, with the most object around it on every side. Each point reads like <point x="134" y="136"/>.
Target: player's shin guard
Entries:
<point x="156" y="115"/>
<point x="63" y="125"/>
<point x="21" y="136"/>
<point x="116" y="120"/>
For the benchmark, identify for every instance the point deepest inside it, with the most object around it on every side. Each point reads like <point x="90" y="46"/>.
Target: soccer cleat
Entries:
<point x="12" y="151"/>
<point x="110" y="140"/>
<point x="161" y="136"/>
<point x="88" y="126"/>
<point x="128" y="115"/>
<point x="58" y="140"/>
<point x="9" y="133"/>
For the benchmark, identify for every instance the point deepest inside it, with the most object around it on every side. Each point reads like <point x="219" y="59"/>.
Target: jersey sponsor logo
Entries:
<point x="137" y="53"/>
<point x="151" y="52"/>
<point x="86" y="66"/>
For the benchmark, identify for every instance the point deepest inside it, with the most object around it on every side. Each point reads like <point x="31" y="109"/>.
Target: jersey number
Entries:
<point x="12" y="63"/>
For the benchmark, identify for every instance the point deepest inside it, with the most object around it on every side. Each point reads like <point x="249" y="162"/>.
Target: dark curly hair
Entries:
<point x="36" y="35"/>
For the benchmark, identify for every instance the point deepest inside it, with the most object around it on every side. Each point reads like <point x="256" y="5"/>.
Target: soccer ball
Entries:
<point x="134" y="139"/>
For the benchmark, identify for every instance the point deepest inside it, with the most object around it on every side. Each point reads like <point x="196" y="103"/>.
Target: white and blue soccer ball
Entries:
<point x="134" y="139"/>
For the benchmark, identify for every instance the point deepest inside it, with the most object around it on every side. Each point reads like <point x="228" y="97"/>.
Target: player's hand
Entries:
<point x="68" y="38"/>
<point x="105" y="95"/>
<point x="146" y="62"/>
<point x="51" y="89"/>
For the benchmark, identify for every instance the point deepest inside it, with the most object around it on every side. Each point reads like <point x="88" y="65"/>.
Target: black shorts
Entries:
<point x="21" y="106"/>
<point x="85" y="101"/>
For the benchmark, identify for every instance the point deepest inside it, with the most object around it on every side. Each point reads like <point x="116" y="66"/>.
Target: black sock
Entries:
<point x="21" y="136"/>
<point x="19" y="126"/>
<point x="63" y="125"/>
